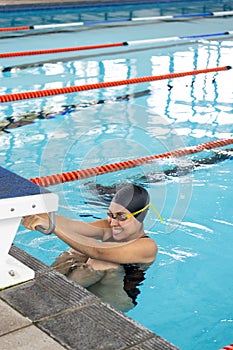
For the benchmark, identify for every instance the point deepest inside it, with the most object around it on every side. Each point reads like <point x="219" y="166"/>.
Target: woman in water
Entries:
<point x="107" y="252"/>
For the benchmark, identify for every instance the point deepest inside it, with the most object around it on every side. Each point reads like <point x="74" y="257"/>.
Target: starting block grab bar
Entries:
<point x="51" y="227"/>
<point x="20" y="197"/>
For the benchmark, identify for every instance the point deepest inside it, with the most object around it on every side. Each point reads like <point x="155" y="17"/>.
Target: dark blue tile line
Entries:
<point x="84" y="4"/>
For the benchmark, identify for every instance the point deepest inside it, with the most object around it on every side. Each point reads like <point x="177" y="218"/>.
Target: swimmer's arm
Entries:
<point x="96" y="229"/>
<point x="137" y="251"/>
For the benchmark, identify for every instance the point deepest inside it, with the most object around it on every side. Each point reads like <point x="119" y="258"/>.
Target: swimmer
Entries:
<point x="122" y="234"/>
<point x="107" y="244"/>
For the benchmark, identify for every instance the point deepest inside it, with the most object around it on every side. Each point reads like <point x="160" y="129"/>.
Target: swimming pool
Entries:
<point x="186" y="296"/>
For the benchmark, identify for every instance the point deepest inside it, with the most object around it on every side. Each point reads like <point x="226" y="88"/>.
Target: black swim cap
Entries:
<point x="133" y="198"/>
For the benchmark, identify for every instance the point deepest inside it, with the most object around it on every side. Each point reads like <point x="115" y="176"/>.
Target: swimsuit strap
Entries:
<point x="145" y="236"/>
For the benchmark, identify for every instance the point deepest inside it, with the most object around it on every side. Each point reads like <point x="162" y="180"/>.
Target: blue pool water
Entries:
<point x="187" y="294"/>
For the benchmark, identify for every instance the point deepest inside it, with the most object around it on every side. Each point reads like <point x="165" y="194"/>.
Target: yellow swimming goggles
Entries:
<point x="123" y="216"/>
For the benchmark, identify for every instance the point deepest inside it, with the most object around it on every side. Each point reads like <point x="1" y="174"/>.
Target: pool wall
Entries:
<point x="7" y="5"/>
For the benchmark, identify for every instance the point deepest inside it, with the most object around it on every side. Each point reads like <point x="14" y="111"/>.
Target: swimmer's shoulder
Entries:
<point x="150" y="245"/>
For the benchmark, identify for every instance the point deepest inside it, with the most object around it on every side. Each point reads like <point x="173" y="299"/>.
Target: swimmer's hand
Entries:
<point x="32" y="221"/>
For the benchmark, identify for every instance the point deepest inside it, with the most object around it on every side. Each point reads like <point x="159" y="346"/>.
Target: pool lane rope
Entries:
<point x="227" y="347"/>
<point x="71" y="89"/>
<point x="185" y="16"/>
<point x="60" y="50"/>
<point x="110" y="45"/>
<point x="55" y="179"/>
<point x="81" y="23"/>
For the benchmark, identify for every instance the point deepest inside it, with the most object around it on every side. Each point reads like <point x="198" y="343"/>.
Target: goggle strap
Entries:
<point x="156" y="211"/>
<point x="139" y="211"/>
<point x="148" y="205"/>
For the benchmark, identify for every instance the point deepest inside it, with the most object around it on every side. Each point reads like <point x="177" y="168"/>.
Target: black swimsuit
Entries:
<point x="134" y="276"/>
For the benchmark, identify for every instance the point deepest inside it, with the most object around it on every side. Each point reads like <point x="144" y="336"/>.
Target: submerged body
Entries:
<point x="116" y="284"/>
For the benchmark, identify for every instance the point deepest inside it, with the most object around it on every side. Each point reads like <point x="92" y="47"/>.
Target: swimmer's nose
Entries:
<point x="114" y="222"/>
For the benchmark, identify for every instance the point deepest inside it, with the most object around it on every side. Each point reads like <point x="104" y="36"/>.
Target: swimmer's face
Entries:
<point x="123" y="230"/>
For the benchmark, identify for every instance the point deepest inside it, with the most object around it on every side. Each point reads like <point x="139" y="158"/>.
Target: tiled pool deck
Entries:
<point x="49" y="312"/>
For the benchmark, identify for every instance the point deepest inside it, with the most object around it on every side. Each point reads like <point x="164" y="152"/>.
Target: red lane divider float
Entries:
<point x="228" y="347"/>
<point x="11" y="29"/>
<point x="108" y="168"/>
<point x="60" y="50"/>
<point x="72" y="89"/>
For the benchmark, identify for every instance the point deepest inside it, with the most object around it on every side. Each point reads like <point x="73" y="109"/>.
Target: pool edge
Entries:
<point x="56" y="306"/>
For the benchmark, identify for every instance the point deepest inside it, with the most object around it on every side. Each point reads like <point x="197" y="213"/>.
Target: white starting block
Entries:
<point x="19" y="197"/>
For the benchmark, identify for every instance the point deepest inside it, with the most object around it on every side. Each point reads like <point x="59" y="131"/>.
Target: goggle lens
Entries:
<point x="117" y="216"/>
